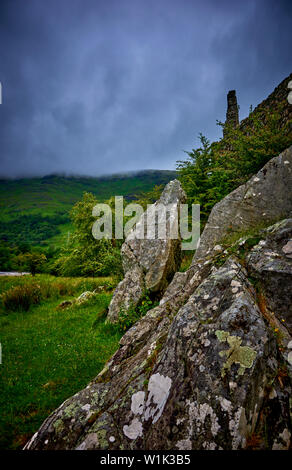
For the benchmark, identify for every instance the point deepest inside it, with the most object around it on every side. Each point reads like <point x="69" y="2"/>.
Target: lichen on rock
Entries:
<point x="210" y="367"/>
<point x="237" y="354"/>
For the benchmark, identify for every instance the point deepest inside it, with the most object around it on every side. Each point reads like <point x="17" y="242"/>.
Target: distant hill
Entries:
<point x="36" y="209"/>
<point x="54" y="193"/>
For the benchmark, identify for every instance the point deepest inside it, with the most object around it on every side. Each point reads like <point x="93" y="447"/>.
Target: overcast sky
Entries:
<point x="104" y="86"/>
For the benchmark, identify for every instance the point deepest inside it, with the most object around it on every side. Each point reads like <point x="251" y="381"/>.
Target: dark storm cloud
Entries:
<point x="93" y="87"/>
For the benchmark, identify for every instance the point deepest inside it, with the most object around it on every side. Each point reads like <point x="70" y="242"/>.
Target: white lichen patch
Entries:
<point x="217" y="248"/>
<point x="283" y="441"/>
<point x="197" y="416"/>
<point x="90" y="442"/>
<point x="158" y="388"/>
<point x="184" y="444"/>
<point x="232" y="385"/>
<point x="199" y="413"/>
<point x="273" y="394"/>
<point x="225" y="404"/>
<point x="287" y="249"/>
<point x="133" y="430"/>
<point x="189" y="330"/>
<point x="137" y="404"/>
<point x="179" y="421"/>
<point x="209" y="445"/>
<point x="151" y="349"/>
<point x="195" y="278"/>
<point x="237" y="428"/>
<point x="86" y="407"/>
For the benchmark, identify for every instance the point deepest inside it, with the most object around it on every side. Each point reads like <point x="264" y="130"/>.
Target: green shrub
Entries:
<point x="129" y="317"/>
<point x="20" y="298"/>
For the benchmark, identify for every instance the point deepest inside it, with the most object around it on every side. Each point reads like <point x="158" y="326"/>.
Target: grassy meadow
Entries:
<point x="48" y="353"/>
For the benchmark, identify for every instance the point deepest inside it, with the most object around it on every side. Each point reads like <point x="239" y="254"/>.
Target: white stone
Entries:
<point x="217" y="248"/>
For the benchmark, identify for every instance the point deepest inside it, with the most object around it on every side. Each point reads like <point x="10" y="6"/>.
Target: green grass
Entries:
<point x="48" y="354"/>
<point x="72" y="286"/>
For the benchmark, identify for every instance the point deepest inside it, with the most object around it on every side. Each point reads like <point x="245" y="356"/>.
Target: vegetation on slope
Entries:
<point x="214" y="170"/>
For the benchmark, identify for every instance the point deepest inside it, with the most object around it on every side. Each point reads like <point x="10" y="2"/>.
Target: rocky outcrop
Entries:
<point x="277" y="101"/>
<point x="211" y="366"/>
<point x="264" y="199"/>
<point x="149" y="263"/>
<point x="206" y="366"/>
<point x="232" y="115"/>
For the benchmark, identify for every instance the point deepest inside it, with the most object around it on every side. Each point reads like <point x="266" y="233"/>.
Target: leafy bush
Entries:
<point x="129" y="317"/>
<point x="30" y="261"/>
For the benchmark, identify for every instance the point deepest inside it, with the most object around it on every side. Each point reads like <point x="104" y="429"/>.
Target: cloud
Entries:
<point x="100" y="87"/>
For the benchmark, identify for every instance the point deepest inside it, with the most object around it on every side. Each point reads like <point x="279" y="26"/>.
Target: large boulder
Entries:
<point x="264" y="199"/>
<point x="211" y="366"/>
<point x="205" y="369"/>
<point x="149" y="263"/>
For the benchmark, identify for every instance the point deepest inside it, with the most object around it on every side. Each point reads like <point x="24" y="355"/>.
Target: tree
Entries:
<point x="213" y="171"/>
<point x="83" y="255"/>
<point x="32" y="262"/>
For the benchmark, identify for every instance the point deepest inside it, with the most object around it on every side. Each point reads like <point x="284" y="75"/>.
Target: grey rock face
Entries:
<point x="203" y="370"/>
<point x="128" y="292"/>
<point x="149" y="264"/>
<point x="264" y="199"/>
<point x="270" y="262"/>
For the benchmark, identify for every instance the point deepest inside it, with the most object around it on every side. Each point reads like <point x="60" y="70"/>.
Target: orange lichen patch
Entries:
<point x="281" y="375"/>
<point x="278" y="327"/>
<point x="253" y="441"/>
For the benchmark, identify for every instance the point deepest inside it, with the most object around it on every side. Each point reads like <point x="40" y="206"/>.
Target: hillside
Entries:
<point x="33" y="210"/>
<point x="55" y="194"/>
